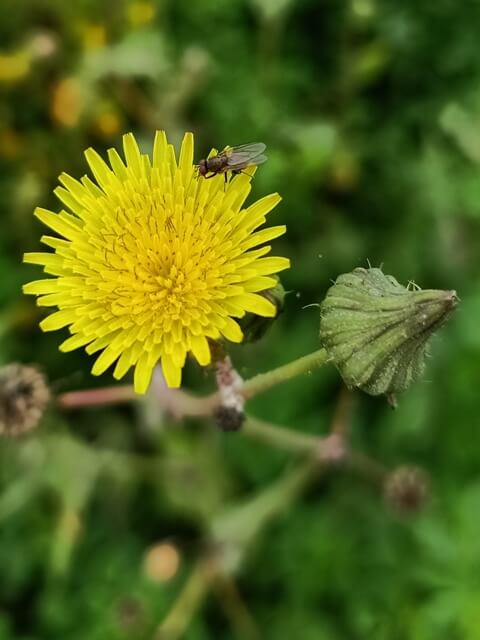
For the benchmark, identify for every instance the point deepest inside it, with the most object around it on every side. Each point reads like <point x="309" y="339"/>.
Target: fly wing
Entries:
<point x="253" y="148"/>
<point x="259" y="159"/>
<point x="236" y="163"/>
<point x="245" y="155"/>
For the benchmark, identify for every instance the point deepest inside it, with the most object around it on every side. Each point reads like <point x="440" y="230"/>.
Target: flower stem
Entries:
<point x="279" y="437"/>
<point x="181" y="403"/>
<point x="319" y="447"/>
<point x="236" y="528"/>
<point x="187" y="604"/>
<point x="264" y="381"/>
<point x="92" y="397"/>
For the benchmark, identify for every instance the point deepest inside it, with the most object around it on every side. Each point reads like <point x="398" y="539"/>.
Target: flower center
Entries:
<point x="161" y="276"/>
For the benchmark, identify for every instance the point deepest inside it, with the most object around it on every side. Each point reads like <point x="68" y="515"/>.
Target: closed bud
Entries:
<point x="228" y="418"/>
<point x="376" y="331"/>
<point x="407" y="489"/>
<point x="255" y="327"/>
<point x="24" y="396"/>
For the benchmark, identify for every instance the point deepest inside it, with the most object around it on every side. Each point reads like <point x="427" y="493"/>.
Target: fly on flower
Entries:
<point x="234" y="159"/>
<point x="148" y="266"/>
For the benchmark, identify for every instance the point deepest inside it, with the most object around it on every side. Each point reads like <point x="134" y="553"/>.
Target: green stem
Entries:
<point x="364" y="466"/>
<point x="264" y="381"/>
<point x="187" y="604"/>
<point x="279" y="437"/>
<point x="236" y="528"/>
<point x="180" y="403"/>
<point x="290" y="440"/>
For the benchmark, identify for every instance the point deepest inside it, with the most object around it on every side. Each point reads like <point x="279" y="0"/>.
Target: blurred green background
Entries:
<point x="371" y="114"/>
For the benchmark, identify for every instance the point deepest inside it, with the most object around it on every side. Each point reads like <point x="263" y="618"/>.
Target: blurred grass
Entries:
<point x="371" y="114"/>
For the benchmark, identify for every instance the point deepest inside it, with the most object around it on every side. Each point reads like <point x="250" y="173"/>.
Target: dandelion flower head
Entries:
<point x="151" y="261"/>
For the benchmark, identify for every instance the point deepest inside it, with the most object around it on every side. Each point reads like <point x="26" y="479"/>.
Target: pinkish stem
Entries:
<point x="93" y="397"/>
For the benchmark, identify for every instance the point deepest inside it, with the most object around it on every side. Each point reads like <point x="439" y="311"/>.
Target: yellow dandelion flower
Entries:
<point x="154" y="260"/>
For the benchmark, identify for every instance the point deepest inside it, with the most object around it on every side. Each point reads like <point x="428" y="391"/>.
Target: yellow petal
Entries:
<point x="132" y="154"/>
<point x="74" y="186"/>
<point x="179" y="355"/>
<point x="200" y="349"/>
<point x="41" y="287"/>
<point x="99" y="167"/>
<point x="265" y="235"/>
<point x="64" y="224"/>
<point x="68" y="199"/>
<point x="185" y="162"/>
<point x="58" y="320"/>
<point x="75" y="342"/>
<point x="263" y="206"/>
<point x="231" y="330"/>
<point x="123" y="365"/>
<point x="142" y="375"/>
<point x="256" y="304"/>
<point x="117" y="164"/>
<point x="104" y="360"/>
<point x="266" y="266"/>
<point x="172" y="373"/>
<point x="56" y="300"/>
<point x="159" y="148"/>
<point x="92" y="188"/>
<point x="262" y="283"/>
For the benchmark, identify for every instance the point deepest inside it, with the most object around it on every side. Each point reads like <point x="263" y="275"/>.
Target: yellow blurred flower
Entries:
<point x="154" y="261"/>
<point x="94" y="35"/>
<point x="140" y="12"/>
<point x="67" y="102"/>
<point x="14" y="66"/>
<point x="10" y="143"/>
<point x="108" y="123"/>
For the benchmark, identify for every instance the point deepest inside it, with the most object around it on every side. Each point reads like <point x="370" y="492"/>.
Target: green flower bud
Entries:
<point x="376" y="331"/>
<point x="254" y="327"/>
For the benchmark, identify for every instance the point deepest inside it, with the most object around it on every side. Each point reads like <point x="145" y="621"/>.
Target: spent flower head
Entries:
<point x="24" y="396"/>
<point x="153" y="261"/>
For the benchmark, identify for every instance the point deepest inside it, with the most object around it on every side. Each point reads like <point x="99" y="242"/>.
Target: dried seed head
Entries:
<point x="376" y="331"/>
<point x="407" y="489"/>
<point x="130" y="614"/>
<point x="24" y="395"/>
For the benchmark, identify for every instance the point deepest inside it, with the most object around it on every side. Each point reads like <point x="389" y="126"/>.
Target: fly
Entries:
<point x="234" y="159"/>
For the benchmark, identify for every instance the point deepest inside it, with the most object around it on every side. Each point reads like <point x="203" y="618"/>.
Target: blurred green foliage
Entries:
<point x="371" y="113"/>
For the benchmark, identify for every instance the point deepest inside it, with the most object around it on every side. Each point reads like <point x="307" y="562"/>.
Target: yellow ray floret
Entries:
<point x="153" y="261"/>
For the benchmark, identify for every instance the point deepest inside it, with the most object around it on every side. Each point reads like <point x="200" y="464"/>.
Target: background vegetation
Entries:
<point x="371" y="114"/>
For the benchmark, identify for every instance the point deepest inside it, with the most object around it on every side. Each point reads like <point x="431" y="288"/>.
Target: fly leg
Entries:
<point x="237" y="172"/>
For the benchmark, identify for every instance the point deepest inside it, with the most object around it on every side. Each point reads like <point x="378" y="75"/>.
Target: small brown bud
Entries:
<point x="229" y="415"/>
<point x="228" y="418"/>
<point x="24" y="396"/>
<point x="407" y="489"/>
<point x="130" y="614"/>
